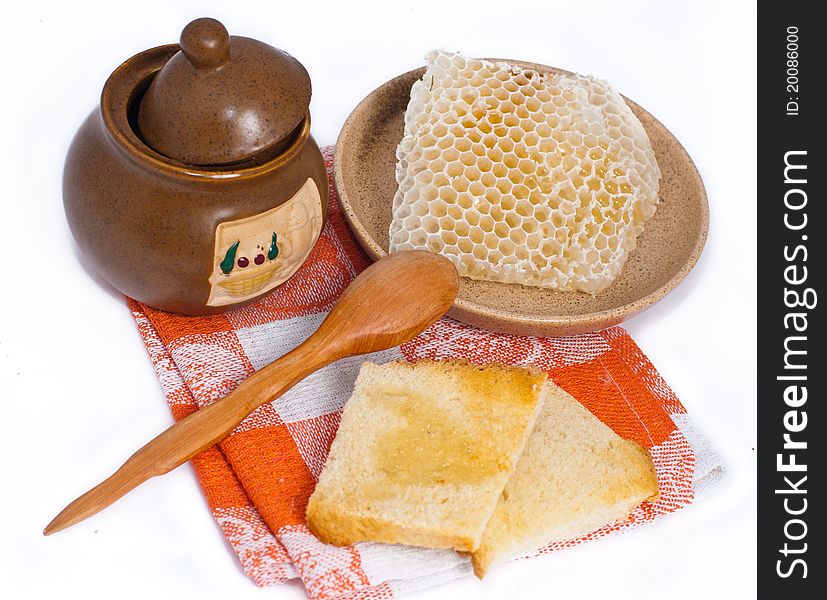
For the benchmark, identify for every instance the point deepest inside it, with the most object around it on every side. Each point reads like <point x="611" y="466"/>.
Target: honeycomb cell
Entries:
<point x="450" y="238"/>
<point x="491" y="241"/>
<point x="460" y="184"/>
<point x="504" y="185"/>
<point x="467" y="158"/>
<point x="448" y="195"/>
<point x="517" y="236"/>
<point x="473" y="175"/>
<point x="465" y="201"/>
<point x="437" y="165"/>
<point x="430" y="224"/>
<point x="423" y="178"/>
<point x="522" y="177"/>
<point x="531" y="138"/>
<point x="508" y="202"/>
<point x="462" y="228"/>
<point x="489" y="180"/>
<point x="501" y="229"/>
<point x="495" y="257"/>
<point x="506" y="145"/>
<point x="527" y="166"/>
<point x="441" y="180"/>
<point x="419" y="238"/>
<point x="454" y="169"/>
<point x="500" y="93"/>
<point x="476" y="189"/>
<point x="446" y="224"/>
<point x="434" y="244"/>
<point x="451" y="155"/>
<point x="496" y="155"/>
<point x="515" y="176"/>
<point x="524" y="208"/>
<point x="420" y="209"/>
<point x="530" y="226"/>
<point x="520" y="192"/>
<point x="431" y="153"/>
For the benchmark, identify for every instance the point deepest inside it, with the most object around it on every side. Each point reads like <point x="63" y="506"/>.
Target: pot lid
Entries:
<point x="223" y="99"/>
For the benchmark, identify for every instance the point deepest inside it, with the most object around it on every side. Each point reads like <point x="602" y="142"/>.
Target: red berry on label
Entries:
<point x="259" y="259"/>
<point x="243" y="262"/>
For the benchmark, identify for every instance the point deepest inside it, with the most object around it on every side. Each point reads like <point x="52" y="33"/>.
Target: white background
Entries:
<point x="78" y="393"/>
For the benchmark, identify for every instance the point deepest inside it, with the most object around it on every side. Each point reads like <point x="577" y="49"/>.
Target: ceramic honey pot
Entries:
<point x="196" y="186"/>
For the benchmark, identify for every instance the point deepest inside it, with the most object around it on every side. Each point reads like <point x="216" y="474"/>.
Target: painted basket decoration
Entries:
<point x="252" y="263"/>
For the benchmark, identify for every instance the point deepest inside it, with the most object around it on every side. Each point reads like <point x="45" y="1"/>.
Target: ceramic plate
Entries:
<point x="364" y="175"/>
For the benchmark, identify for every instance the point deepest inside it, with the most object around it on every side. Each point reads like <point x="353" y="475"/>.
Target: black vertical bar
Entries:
<point x="792" y="358"/>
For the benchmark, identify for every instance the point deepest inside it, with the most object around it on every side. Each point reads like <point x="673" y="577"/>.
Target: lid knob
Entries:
<point x="223" y="100"/>
<point x="206" y="43"/>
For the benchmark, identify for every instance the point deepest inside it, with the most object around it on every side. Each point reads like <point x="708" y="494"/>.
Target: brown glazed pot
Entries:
<point x="194" y="239"/>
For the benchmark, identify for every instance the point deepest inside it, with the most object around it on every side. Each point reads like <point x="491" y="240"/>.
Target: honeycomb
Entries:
<point x="522" y="177"/>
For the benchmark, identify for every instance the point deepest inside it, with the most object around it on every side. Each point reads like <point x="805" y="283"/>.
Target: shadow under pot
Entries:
<point x="196" y="187"/>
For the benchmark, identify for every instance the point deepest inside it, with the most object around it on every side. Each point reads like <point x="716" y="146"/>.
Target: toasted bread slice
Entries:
<point x="423" y="452"/>
<point x="574" y="476"/>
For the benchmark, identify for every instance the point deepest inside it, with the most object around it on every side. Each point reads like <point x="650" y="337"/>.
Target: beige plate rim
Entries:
<point x="541" y="323"/>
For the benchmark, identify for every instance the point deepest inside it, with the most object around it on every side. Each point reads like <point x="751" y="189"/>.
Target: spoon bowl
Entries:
<point x="394" y="300"/>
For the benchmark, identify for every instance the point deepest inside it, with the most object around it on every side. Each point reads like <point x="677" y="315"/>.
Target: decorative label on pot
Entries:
<point x="256" y="254"/>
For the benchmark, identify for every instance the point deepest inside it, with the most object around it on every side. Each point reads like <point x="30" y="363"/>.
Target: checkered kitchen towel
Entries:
<point x="258" y="480"/>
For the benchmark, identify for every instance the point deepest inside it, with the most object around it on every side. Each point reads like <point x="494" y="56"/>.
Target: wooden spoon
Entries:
<point x="391" y="302"/>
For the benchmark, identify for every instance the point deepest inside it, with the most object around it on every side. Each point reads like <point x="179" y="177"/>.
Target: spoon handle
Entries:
<point x="195" y="433"/>
<point x="389" y="303"/>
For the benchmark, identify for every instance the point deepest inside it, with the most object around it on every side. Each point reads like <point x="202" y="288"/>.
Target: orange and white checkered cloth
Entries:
<point x="258" y="480"/>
